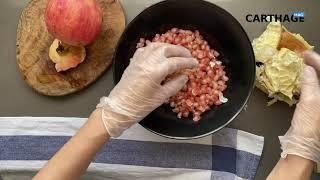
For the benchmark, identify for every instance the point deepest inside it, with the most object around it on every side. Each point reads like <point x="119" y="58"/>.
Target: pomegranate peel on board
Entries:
<point x="32" y="48"/>
<point x="74" y="24"/>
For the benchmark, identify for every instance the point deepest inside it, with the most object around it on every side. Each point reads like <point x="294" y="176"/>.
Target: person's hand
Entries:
<point x="140" y="90"/>
<point x="303" y="137"/>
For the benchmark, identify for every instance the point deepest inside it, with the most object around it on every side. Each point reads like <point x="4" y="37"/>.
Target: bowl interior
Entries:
<point x="222" y="32"/>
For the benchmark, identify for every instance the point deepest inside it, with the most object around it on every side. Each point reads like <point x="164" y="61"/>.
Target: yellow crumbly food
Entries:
<point x="278" y="75"/>
<point x="265" y="46"/>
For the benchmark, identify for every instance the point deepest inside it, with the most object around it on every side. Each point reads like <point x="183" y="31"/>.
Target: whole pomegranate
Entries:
<point x="74" y="22"/>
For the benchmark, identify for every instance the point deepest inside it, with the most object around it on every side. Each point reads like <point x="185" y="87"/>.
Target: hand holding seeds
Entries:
<point x="140" y="90"/>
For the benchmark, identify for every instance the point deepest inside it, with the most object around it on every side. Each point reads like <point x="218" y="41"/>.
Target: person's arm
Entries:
<point x="292" y="167"/>
<point x="140" y="91"/>
<point x="72" y="160"/>
<point x="301" y="144"/>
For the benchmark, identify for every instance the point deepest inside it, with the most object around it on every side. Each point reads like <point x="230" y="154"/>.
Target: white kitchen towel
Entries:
<point x="26" y="143"/>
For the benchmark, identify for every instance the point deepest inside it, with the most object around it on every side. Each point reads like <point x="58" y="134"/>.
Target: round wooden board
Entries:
<point x="33" y="42"/>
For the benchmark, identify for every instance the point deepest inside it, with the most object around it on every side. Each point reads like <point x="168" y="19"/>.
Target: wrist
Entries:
<point x="307" y="148"/>
<point x="95" y="124"/>
<point x="113" y="122"/>
<point x="301" y="161"/>
<point x="112" y="107"/>
<point x="292" y="167"/>
<point x="300" y="164"/>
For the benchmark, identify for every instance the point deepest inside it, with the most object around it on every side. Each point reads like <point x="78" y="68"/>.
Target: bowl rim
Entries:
<point x="251" y="83"/>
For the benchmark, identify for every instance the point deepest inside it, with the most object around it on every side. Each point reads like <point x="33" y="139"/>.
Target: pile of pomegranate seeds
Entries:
<point x="206" y="83"/>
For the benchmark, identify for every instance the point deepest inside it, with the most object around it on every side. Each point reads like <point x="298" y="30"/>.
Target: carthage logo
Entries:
<point x="291" y="17"/>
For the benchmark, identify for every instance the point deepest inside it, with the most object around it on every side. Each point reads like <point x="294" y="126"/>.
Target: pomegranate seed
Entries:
<point x="225" y="78"/>
<point x="210" y="55"/>
<point x="195" y="47"/>
<point x="189" y="102"/>
<point x="172" y="104"/>
<point x="200" y="55"/>
<point x="181" y="31"/>
<point x="216" y="54"/>
<point x="196" y="118"/>
<point x="205" y="61"/>
<point x="189" y="39"/>
<point x="207" y="48"/>
<point x="185" y="114"/>
<point x="177" y="40"/>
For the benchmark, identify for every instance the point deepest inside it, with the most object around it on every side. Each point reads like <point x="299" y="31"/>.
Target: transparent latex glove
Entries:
<point x="140" y="90"/>
<point x="303" y="137"/>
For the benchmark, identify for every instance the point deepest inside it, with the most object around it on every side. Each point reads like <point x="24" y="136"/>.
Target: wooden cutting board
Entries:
<point x="33" y="42"/>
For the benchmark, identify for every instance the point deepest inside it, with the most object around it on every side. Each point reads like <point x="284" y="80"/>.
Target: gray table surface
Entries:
<point x="17" y="99"/>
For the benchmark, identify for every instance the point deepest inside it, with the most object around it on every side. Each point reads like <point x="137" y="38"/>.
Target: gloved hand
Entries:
<point x="140" y="91"/>
<point x="303" y="137"/>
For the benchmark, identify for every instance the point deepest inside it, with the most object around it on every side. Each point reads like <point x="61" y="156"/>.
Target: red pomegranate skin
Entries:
<point x="75" y="22"/>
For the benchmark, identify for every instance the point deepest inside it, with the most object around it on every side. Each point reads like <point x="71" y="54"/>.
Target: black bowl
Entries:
<point x="223" y="32"/>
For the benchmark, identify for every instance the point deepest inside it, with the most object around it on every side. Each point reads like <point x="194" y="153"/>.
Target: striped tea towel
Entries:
<point x="26" y="143"/>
